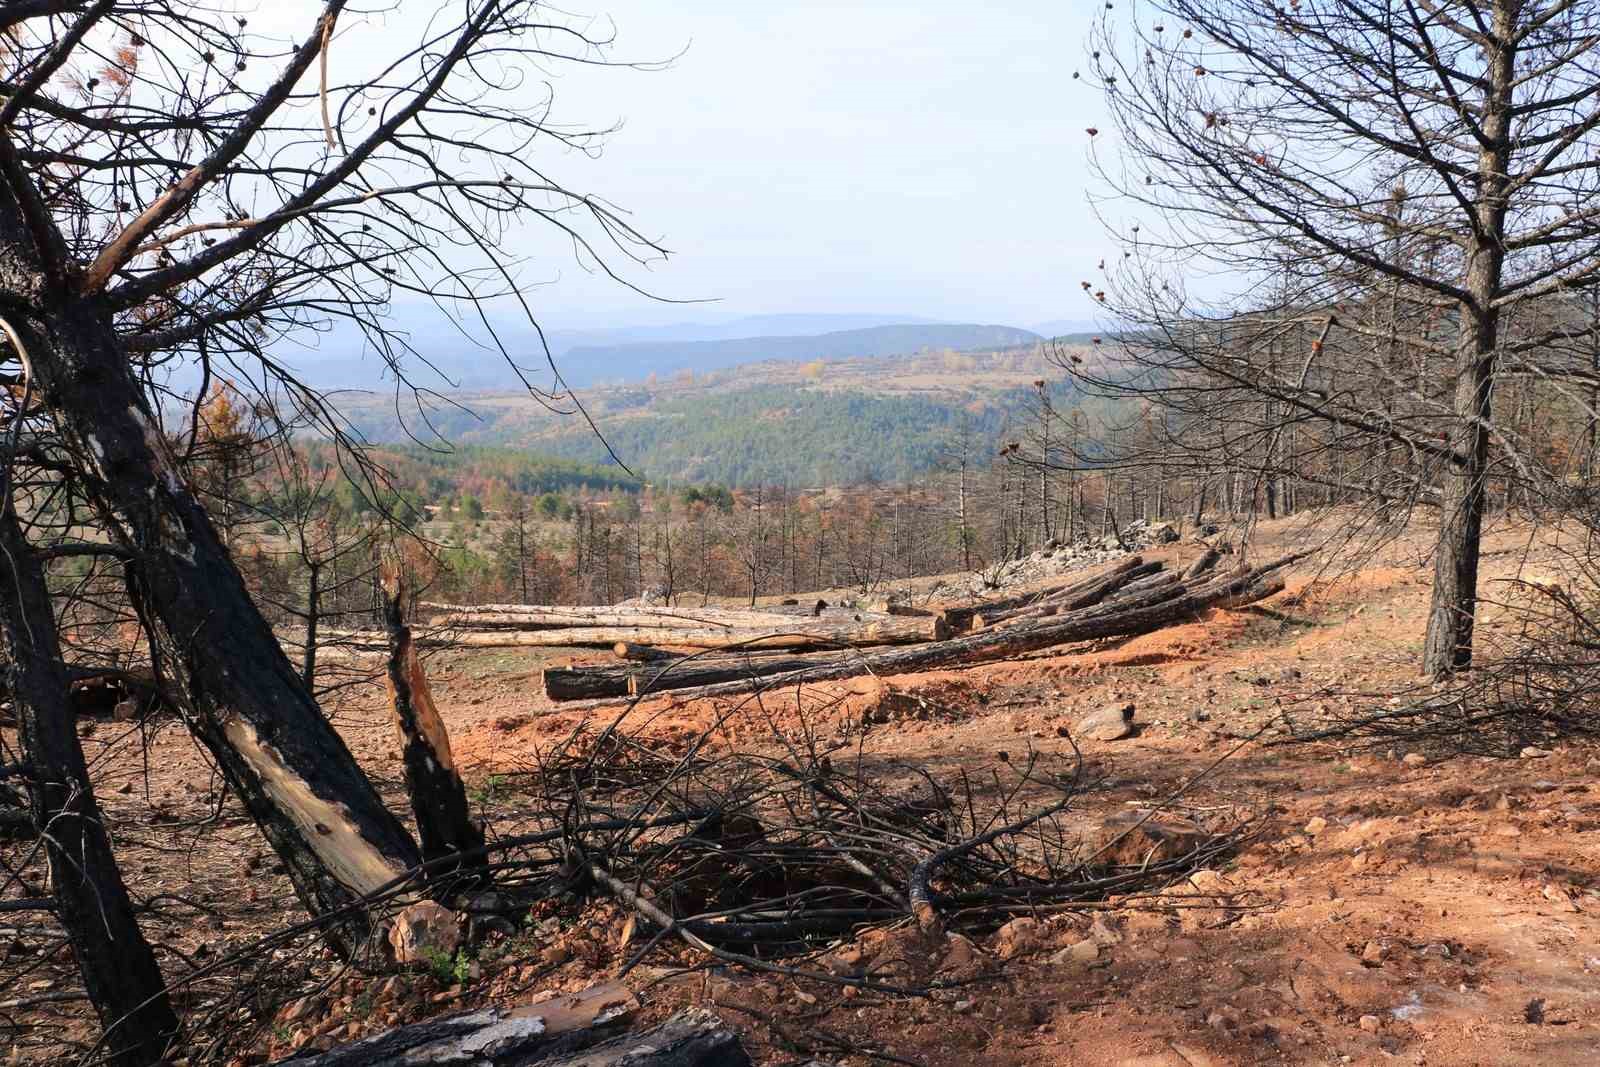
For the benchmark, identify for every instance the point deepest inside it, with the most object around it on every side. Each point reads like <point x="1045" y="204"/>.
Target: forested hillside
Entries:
<point x="843" y="422"/>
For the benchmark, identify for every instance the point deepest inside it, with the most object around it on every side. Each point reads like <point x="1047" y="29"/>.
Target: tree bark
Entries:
<point x="614" y="680"/>
<point x="793" y="633"/>
<point x="1454" y="601"/>
<point x="1074" y="597"/>
<point x="537" y="1033"/>
<point x="119" y="970"/>
<point x="961" y="616"/>
<point x="438" y="796"/>
<point x="247" y="703"/>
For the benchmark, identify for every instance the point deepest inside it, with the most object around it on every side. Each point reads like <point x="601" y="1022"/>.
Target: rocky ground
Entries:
<point x="1398" y="905"/>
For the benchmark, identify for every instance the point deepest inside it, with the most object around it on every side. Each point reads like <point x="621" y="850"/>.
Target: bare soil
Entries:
<point x="1441" y="910"/>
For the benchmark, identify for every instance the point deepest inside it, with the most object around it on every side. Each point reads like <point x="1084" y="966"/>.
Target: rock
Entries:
<point x="1084" y="951"/>
<point x="1316" y="826"/>
<point x="962" y="954"/>
<point x="1160" y="533"/>
<point x="1108" y="724"/>
<point x="1414" y="759"/>
<point x="1209" y="882"/>
<point x="1533" y="752"/>
<point x="125" y="710"/>
<point x="1370" y="1023"/>
<point x="1102" y="933"/>
<point x="1129" y="838"/>
<point x="424" y="931"/>
<point x="1374" y="953"/>
<point x="1017" y="937"/>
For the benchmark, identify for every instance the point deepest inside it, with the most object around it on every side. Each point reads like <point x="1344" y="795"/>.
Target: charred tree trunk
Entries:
<point x="438" y="797"/>
<point x="248" y="704"/>
<point x="119" y="971"/>
<point x="494" y="1038"/>
<point x="308" y="670"/>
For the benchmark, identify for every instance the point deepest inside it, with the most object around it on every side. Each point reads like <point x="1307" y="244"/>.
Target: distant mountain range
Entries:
<point x="631" y="362"/>
<point x="587" y="357"/>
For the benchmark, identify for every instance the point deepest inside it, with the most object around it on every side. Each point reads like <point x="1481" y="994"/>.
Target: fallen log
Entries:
<point x="539" y="618"/>
<point x="1178" y="603"/>
<point x="676" y="672"/>
<point x="1082" y="594"/>
<point x="962" y="616"/>
<point x="788" y="633"/>
<point x="1150" y="590"/>
<point x="1207" y="560"/>
<point x="565" y="1032"/>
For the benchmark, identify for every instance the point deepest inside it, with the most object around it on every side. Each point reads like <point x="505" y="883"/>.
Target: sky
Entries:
<point x="887" y="157"/>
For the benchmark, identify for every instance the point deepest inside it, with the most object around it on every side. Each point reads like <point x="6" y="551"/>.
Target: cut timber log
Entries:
<point x="492" y="1038"/>
<point x="540" y="618"/>
<point x="1178" y="603"/>
<point x="1081" y="594"/>
<point x="788" y="633"/>
<point x="961" y="616"/>
<point x="676" y="672"/>
<point x="653" y="654"/>
<point x="1208" y="559"/>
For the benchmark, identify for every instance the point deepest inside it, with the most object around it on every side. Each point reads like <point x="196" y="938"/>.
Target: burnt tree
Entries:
<point x="119" y="970"/>
<point x="157" y="208"/>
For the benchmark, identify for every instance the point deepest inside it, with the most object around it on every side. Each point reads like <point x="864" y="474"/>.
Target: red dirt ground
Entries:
<point x="1444" y="912"/>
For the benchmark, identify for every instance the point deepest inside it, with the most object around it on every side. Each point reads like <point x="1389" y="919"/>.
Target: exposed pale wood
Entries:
<point x="792" y="633"/>
<point x="493" y="1038"/>
<point x="438" y="796"/>
<point x="960" y="616"/>
<point x="1080" y="594"/>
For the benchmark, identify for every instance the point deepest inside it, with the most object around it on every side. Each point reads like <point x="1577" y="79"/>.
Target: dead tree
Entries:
<point x="119" y="970"/>
<point x="147" y="219"/>
<point x="438" y="797"/>
<point x="1412" y="174"/>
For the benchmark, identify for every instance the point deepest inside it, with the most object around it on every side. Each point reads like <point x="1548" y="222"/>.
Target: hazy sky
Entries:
<point x="921" y="158"/>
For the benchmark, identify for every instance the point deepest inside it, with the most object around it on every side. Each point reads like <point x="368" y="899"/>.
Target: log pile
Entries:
<point x="1131" y="598"/>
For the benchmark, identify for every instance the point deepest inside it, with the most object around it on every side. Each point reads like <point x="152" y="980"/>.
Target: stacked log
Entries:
<point x="1156" y="601"/>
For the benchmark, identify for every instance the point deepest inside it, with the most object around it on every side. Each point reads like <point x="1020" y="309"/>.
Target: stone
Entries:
<point x="1103" y="933"/>
<point x="1534" y="752"/>
<point x="1370" y="1023"/>
<point x="1084" y="951"/>
<point x="1414" y="759"/>
<point x="1160" y="533"/>
<point x="423" y="932"/>
<point x="1129" y="838"/>
<point x="1316" y="826"/>
<point x="1374" y="953"/>
<point x="1108" y="724"/>
<point x="1017" y="937"/>
<point x="961" y="955"/>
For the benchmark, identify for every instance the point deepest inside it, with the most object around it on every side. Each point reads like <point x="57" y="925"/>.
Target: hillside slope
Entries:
<point x="848" y="421"/>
